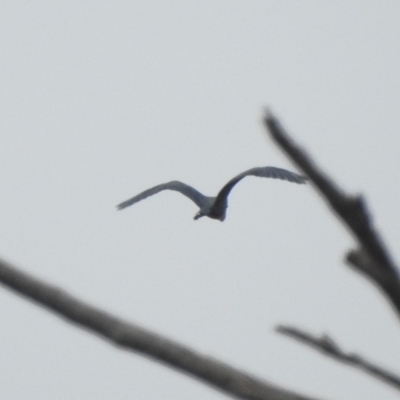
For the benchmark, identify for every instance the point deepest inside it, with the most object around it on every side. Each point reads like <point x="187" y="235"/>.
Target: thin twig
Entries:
<point x="329" y="347"/>
<point x="126" y="335"/>
<point x="372" y="258"/>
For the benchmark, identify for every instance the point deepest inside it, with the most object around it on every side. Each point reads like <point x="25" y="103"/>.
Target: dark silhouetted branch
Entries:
<point x="123" y="334"/>
<point x="372" y="258"/>
<point x="328" y="346"/>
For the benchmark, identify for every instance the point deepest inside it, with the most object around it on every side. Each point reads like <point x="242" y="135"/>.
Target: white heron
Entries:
<point x="215" y="207"/>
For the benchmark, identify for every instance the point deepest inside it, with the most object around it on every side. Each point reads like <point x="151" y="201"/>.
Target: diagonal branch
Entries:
<point x="328" y="346"/>
<point x="372" y="258"/>
<point x="131" y="337"/>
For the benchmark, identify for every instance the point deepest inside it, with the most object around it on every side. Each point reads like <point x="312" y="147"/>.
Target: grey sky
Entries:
<point x="101" y="100"/>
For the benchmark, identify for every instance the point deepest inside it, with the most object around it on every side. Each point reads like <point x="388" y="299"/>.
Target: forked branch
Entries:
<point x="371" y="258"/>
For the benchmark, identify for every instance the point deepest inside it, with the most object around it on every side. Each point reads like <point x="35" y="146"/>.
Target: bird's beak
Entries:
<point x="197" y="216"/>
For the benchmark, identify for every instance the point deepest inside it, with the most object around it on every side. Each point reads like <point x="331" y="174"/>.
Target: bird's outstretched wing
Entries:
<point x="263" y="172"/>
<point x="186" y="190"/>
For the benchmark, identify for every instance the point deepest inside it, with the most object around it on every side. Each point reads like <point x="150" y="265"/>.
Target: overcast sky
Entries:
<point x="103" y="99"/>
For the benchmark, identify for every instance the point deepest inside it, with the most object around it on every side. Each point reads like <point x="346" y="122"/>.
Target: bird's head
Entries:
<point x="219" y="217"/>
<point x="198" y="215"/>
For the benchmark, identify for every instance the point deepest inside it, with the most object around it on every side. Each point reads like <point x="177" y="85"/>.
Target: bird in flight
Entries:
<point x="215" y="207"/>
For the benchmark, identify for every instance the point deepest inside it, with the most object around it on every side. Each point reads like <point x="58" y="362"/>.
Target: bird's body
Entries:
<point x="215" y="207"/>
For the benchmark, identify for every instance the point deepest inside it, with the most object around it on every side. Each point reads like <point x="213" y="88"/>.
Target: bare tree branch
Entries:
<point x="123" y="334"/>
<point x="372" y="258"/>
<point x="328" y="346"/>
